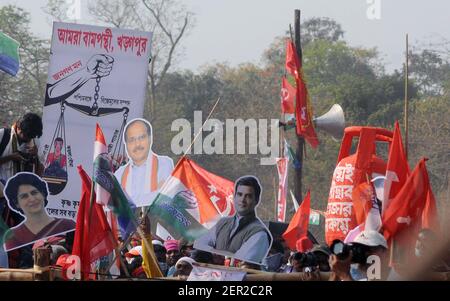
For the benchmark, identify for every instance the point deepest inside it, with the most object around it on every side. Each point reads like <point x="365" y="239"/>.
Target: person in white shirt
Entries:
<point x="145" y="172"/>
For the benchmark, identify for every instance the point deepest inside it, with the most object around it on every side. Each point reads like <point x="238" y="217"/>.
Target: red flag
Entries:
<point x="287" y="97"/>
<point x="92" y="233"/>
<point x="405" y="210"/>
<point x="282" y="164"/>
<point x="397" y="169"/>
<point x="298" y="227"/>
<point x="292" y="60"/>
<point x="303" y="113"/>
<point x="303" y="110"/>
<point x="430" y="218"/>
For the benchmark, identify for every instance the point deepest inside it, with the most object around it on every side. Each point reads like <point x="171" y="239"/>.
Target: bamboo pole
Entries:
<point x="318" y="276"/>
<point x="406" y="98"/>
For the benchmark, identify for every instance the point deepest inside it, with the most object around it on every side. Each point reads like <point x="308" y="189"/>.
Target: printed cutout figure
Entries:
<point x="26" y="194"/>
<point x="242" y="236"/>
<point x="56" y="162"/>
<point x="145" y="172"/>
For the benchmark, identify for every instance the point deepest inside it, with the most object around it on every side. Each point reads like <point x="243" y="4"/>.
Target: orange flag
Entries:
<point x="298" y="227"/>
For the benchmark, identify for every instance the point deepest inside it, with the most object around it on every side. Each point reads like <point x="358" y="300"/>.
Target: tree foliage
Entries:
<point x="25" y="91"/>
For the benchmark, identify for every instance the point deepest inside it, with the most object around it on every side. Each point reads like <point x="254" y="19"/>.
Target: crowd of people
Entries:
<point x="367" y="257"/>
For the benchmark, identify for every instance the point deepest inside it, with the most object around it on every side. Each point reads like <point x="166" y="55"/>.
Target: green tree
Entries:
<point x="25" y="92"/>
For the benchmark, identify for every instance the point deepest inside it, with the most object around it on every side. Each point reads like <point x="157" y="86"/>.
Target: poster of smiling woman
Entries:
<point x="26" y="194"/>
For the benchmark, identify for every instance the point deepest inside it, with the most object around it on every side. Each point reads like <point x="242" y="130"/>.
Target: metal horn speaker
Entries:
<point x="332" y="122"/>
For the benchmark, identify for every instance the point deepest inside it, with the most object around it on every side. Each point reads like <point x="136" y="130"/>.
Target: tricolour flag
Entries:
<point x="191" y="201"/>
<point x="9" y="54"/>
<point x="100" y="148"/>
<point x="314" y="218"/>
<point x="119" y="202"/>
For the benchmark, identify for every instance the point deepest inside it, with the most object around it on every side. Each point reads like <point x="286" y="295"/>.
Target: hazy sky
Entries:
<point x="237" y="31"/>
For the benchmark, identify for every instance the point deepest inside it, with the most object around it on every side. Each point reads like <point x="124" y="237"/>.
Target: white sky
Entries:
<point x="238" y="31"/>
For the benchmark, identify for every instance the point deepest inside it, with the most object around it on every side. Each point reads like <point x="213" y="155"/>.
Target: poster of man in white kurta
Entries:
<point x="145" y="172"/>
<point x="96" y="75"/>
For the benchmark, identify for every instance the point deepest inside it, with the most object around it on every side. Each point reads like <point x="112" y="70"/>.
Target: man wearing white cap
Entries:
<point x="368" y="259"/>
<point x="160" y="253"/>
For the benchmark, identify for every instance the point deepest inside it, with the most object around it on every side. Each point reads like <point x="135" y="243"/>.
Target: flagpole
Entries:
<point x="300" y="140"/>
<point x="406" y="98"/>
<point x="200" y="130"/>
<point x="116" y="248"/>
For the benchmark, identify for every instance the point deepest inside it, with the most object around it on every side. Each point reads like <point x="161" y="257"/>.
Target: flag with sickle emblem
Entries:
<point x="191" y="201"/>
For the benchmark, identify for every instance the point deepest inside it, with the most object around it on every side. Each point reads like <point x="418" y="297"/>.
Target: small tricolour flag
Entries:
<point x="9" y="54"/>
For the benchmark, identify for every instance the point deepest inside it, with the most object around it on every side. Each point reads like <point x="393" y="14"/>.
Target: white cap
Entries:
<point x="136" y="251"/>
<point x="371" y="238"/>
<point x="185" y="259"/>
<point x="156" y="242"/>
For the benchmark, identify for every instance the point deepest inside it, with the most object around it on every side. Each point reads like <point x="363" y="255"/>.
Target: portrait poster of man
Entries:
<point x="242" y="236"/>
<point x="26" y="194"/>
<point x="145" y="173"/>
<point x="95" y="75"/>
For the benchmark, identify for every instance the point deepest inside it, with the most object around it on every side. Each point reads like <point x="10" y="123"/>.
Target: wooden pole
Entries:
<point x="300" y="140"/>
<point x="317" y="276"/>
<point x="406" y="98"/>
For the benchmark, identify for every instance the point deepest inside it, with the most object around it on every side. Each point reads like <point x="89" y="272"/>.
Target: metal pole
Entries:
<point x="300" y="140"/>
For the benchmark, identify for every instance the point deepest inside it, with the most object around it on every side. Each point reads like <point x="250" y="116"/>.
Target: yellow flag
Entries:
<point x="149" y="262"/>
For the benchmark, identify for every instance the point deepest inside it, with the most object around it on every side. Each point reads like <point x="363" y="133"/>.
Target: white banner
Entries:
<point x="96" y="75"/>
<point x="210" y="274"/>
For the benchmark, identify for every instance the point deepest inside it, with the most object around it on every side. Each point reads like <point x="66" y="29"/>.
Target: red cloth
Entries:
<point x="93" y="238"/>
<point x="397" y="169"/>
<point x="292" y="60"/>
<point x="304" y="244"/>
<point x="21" y="235"/>
<point x="287" y="97"/>
<point x="430" y="218"/>
<point x="405" y="210"/>
<point x="303" y="113"/>
<point x="298" y="227"/>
